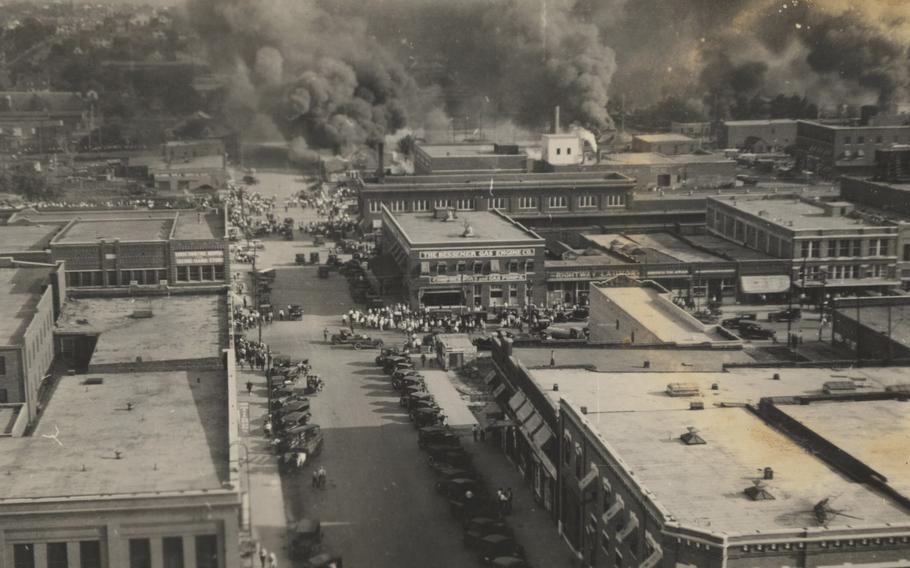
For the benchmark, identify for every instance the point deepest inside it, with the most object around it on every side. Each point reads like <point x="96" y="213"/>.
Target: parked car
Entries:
<point x="305" y="537"/>
<point x="437" y="435"/>
<point x="705" y="316"/>
<point x="751" y="330"/>
<point x="733" y="323"/>
<point x="478" y="527"/>
<point x="296" y="312"/>
<point x="495" y="546"/>
<point x="787" y="314"/>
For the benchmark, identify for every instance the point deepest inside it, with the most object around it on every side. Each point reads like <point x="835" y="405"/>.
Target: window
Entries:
<point x="219" y="272"/>
<point x="441" y="268"/>
<point x="558" y="202"/>
<point x="140" y="553"/>
<point x="183" y="273"/>
<point x="495" y="291"/>
<point x="606" y="494"/>
<point x="420" y="204"/>
<point x="2" y="365"/>
<point x="195" y="273"/>
<point x="848" y="139"/>
<point x="513" y="266"/>
<point x="860" y="139"/>
<point x="478" y="267"/>
<point x="579" y="461"/>
<point x="558" y="151"/>
<point x="23" y="556"/>
<point x="442" y="203"/>
<point x="461" y="267"/>
<point x="527" y="203"/>
<point x="4" y="396"/>
<point x="90" y="554"/>
<point x="397" y="205"/>
<point x="424" y="267"/>
<point x="616" y="200"/>
<point x="876" y="248"/>
<point x="587" y="201"/>
<point x="499" y="203"/>
<point x="513" y="293"/>
<point x="529" y="266"/>
<point x="56" y="555"/>
<point x="375" y="206"/>
<point x="464" y="204"/>
<point x="111" y="277"/>
<point x="857" y="247"/>
<point x="206" y="551"/>
<point x="173" y="551"/>
<point x="567" y="449"/>
<point x="569" y="151"/>
<point x="906" y="256"/>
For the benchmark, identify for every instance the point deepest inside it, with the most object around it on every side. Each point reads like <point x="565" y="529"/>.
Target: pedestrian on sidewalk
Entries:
<point x="325" y="335"/>
<point x="273" y="560"/>
<point x="483" y="434"/>
<point x="315" y="479"/>
<point x="322" y="477"/>
<point x="267" y="427"/>
<point x="475" y="431"/>
<point x="503" y="502"/>
<point x="249" y="387"/>
<point x="263" y="556"/>
<point x="423" y="359"/>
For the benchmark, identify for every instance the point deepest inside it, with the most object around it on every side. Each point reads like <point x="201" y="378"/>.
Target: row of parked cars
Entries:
<point x="747" y="326"/>
<point x="484" y="530"/>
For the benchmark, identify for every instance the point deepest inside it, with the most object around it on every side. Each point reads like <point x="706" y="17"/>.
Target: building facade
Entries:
<point x="579" y="197"/>
<point x="831" y="249"/>
<point x="452" y="158"/>
<point x="172" y="248"/>
<point x="498" y="265"/>
<point x="759" y="136"/>
<point x="667" y="144"/>
<point x="836" y="149"/>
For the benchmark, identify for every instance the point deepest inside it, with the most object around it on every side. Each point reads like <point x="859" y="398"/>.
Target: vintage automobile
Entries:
<point x="324" y="560"/>
<point x="392" y="362"/>
<point x="509" y="562"/>
<point x="323" y="271"/>
<point x="387" y="353"/>
<point x="305" y="537"/>
<point x="307" y="438"/>
<point x="300" y="258"/>
<point x="453" y="456"/>
<point x="478" y="527"/>
<point x="495" y="546"/>
<point x="437" y="436"/>
<point x="554" y="332"/>
<point x="787" y="314"/>
<point x="466" y="496"/>
<point x="318" y="240"/>
<point x="358" y="340"/>
<point x="751" y="330"/>
<point x="425" y="417"/>
<point x="291" y="419"/>
<point x="734" y="322"/>
<point x="294" y="406"/>
<point x="409" y="400"/>
<point x="296" y="312"/>
<point x="409" y="381"/>
<point x="705" y="316"/>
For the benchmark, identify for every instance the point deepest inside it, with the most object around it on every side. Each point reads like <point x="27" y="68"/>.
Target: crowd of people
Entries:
<point x="251" y="353"/>
<point x="402" y="318"/>
<point x="245" y="207"/>
<point x="332" y="207"/>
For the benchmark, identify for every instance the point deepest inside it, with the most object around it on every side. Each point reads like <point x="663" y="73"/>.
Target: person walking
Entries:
<point x="263" y="556"/>
<point x="423" y="359"/>
<point x="249" y="387"/>
<point x="273" y="560"/>
<point x="325" y="335"/>
<point x="483" y="434"/>
<point x="475" y="431"/>
<point x="315" y="479"/>
<point x="322" y="477"/>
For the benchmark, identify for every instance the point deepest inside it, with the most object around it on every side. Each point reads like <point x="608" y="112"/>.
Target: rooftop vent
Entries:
<point x="93" y="381"/>
<point x="468" y="230"/>
<point x="683" y="389"/>
<point x="691" y="437"/>
<point x="142" y="313"/>
<point x="832" y="387"/>
<point x="696" y="405"/>
<point x="758" y="491"/>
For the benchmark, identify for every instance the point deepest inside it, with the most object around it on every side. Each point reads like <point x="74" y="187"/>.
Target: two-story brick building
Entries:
<point x="145" y="248"/>
<point x="467" y="261"/>
<point x="832" y="149"/>
<point x="573" y="197"/>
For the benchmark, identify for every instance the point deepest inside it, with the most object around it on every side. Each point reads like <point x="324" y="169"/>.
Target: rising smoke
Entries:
<point x="341" y="73"/>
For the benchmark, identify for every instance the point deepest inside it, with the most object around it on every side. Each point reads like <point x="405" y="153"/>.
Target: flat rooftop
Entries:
<point x="19" y="238"/>
<point x="630" y="360"/>
<point x="175" y="438"/>
<point x="726" y="249"/>
<point x="653" y="311"/>
<point x="877" y="318"/>
<point x="667" y="137"/>
<point x="424" y="228"/>
<point x="467" y="181"/>
<point x="34" y="216"/>
<point x="658" y="247"/>
<point x="199" y="226"/>
<point x="20" y="292"/>
<point x="784" y="211"/>
<point x="180" y="327"/>
<point x="464" y="150"/>
<point x="129" y="230"/>
<point x="766" y="122"/>
<point x="641" y="423"/>
<point x="654" y="159"/>
<point x="876" y="432"/>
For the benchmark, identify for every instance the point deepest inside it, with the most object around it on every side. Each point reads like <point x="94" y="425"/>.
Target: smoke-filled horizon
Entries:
<point x="338" y="74"/>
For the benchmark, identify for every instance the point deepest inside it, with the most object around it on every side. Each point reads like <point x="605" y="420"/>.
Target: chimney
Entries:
<point x="380" y="159"/>
<point x="556" y="120"/>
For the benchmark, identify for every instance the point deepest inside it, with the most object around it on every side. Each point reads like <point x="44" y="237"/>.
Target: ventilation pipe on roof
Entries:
<point x="556" y="120"/>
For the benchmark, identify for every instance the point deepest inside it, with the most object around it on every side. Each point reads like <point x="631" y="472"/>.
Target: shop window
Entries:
<point x="56" y="555"/>
<point x="219" y="272"/>
<point x="90" y="554"/>
<point x="496" y="291"/>
<point x="140" y="553"/>
<point x="478" y="268"/>
<point x="111" y="277"/>
<point x="441" y="268"/>
<point x="206" y="551"/>
<point x="513" y="292"/>
<point x="461" y="267"/>
<point x="513" y="266"/>
<point x="424" y="267"/>
<point x="183" y="273"/>
<point x="172" y="551"/>
<point x="23" y="556"/>
<point x="195" y="274"/>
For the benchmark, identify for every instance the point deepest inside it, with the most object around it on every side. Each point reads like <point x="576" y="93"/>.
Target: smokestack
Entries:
<point x="556" y="120"/>
<point x="380" y="159"/>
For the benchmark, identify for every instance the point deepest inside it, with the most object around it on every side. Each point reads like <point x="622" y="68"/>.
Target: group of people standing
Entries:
<point x="251" y="353"/>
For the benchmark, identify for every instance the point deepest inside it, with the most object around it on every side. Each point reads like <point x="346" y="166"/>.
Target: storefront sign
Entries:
<point x="475" y="253"/>
<point x="184" y="257"/>
<point x="472" y="278"/>
<point x="589" y="274"/>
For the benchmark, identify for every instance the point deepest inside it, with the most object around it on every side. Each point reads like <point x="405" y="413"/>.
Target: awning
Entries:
<point x="543" y="436"/>
<point x="517" y="400"/>
<point x="533" y="423"/>
<point x="764" y="284"/>
<point x="523" y="413"/>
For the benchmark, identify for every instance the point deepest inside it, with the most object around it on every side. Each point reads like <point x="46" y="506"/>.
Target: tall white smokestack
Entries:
<point x="556" y="121"/>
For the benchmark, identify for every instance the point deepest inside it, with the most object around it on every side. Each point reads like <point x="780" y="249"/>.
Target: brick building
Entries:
<point x="832" y="249"/>
<point x="669" y="144"/>
<point x="837" y="149"/>
<point x="574" y="197"/>
<point x="455" y="158"/>
<point x="759" y="136"/>
<point x="178" y="248"/>
<point x="30" y="298"/>
<point x="467" y="261"/>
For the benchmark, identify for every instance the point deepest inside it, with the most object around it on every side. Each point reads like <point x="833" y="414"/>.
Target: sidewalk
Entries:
<point x="534" y="529"/>
<point x="267" y="515"/>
